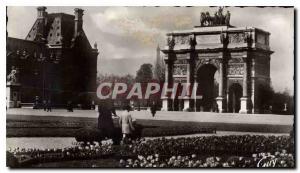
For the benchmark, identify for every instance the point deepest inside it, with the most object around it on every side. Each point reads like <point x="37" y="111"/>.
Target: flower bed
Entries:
<point x="230" y="145"/>
<point x="279" y="159"/>
<point x="211" y="151"/>
<point x="25" y="157"/>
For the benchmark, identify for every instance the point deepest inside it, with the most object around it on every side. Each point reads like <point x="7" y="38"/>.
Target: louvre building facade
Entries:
<point x="55" y="61"/>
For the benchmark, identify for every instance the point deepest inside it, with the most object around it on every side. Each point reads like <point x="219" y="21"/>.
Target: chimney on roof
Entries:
<point x="41" y="23"/>
<point x="41" y="12"/>
<point x="78" y="21"/>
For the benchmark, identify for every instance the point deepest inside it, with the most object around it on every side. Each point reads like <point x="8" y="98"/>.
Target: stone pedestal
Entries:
<point x="245" y="108"/>
<point x="13" y="96"/>
<point x="164" y="104"/>
<point x="221" y="104"/>
<point x="186" y="104"/>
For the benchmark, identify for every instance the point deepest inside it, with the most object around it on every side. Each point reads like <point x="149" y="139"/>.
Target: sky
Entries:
<point x="128" y="36"/>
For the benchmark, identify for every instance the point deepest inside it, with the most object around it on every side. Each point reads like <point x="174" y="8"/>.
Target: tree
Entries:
<point x="128" y="79"/>
<point x="278" y="100"/>
<point x="159" y="67"/>
<point x="144" y="74"/>
<point x="266" y="94"/>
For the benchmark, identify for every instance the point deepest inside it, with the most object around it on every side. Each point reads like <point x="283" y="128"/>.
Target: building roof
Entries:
<point x="26" y="49"/>
<point x="59" y="30"/>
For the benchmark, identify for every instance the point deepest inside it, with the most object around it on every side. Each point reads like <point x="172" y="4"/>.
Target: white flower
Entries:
<point x="140" y="157"/>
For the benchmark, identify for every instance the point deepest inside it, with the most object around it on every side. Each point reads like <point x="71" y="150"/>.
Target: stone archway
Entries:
<point x="206" y="87"/>
<point x="234" y="100"/>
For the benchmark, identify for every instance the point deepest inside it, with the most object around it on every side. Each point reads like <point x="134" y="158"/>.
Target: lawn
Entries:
<point x="57" y="126"/>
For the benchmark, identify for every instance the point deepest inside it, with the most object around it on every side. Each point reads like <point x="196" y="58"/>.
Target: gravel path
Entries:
<point x="172" y="115"/>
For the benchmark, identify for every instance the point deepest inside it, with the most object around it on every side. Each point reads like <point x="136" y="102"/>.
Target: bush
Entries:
<point x="89" y="134"/>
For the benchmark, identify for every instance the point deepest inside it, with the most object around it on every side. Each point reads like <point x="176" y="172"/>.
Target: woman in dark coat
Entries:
<point x="105" y="121"/>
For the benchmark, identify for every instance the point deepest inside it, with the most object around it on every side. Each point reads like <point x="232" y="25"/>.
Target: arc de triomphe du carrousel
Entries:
<point x="229" y="64"/>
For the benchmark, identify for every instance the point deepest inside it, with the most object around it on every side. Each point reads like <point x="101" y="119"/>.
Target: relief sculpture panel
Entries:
<point x="182" y="40"/>
<point x="236" y="69"/>
<point x="180" y="69"/>
<point x="237" y="38"/>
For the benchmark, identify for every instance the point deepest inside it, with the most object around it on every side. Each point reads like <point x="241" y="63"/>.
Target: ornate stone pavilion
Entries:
<point x="230" y="65"/>
<point x="54" y="62"/>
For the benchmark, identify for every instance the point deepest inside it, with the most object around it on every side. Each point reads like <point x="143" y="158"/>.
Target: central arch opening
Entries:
<point x="207" y="87"/>
<point x="235" y="94"/>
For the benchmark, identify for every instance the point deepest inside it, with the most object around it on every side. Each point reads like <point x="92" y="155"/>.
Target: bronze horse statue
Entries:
<point x="206" y="19"/>
<point x="216" y="20"/>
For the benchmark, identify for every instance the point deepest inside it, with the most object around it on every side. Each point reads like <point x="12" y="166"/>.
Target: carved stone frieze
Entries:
<point x="235" y="69"/>
<point x="182" y="40"/>
<point x="180" y="69"/>
<point x="237" y="38"/>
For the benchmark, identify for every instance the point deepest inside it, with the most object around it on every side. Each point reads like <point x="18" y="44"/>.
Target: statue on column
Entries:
<point x="224" y="38"/>
<point x="208" y="19"/>
<point x="216" y="19"/>
<point x="202" y="18"/>
<point x="221" y="17"/>
<point x="171" y="42"/>
<point x="95" y="45"/>
<point x="248" y="38"/>
<point x="227" y="18"/>
<point x="13" y="75"/>
<point x="192" y="41"/>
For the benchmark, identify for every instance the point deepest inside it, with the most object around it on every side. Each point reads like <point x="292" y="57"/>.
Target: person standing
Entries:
<point x="153" y="109"/>
<point x="105" y="121"/>
<point x="125" y="122"/>
<point x="36" y="103"/>
<point x="49" y="108"/>
<point x="70" y="106"/>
